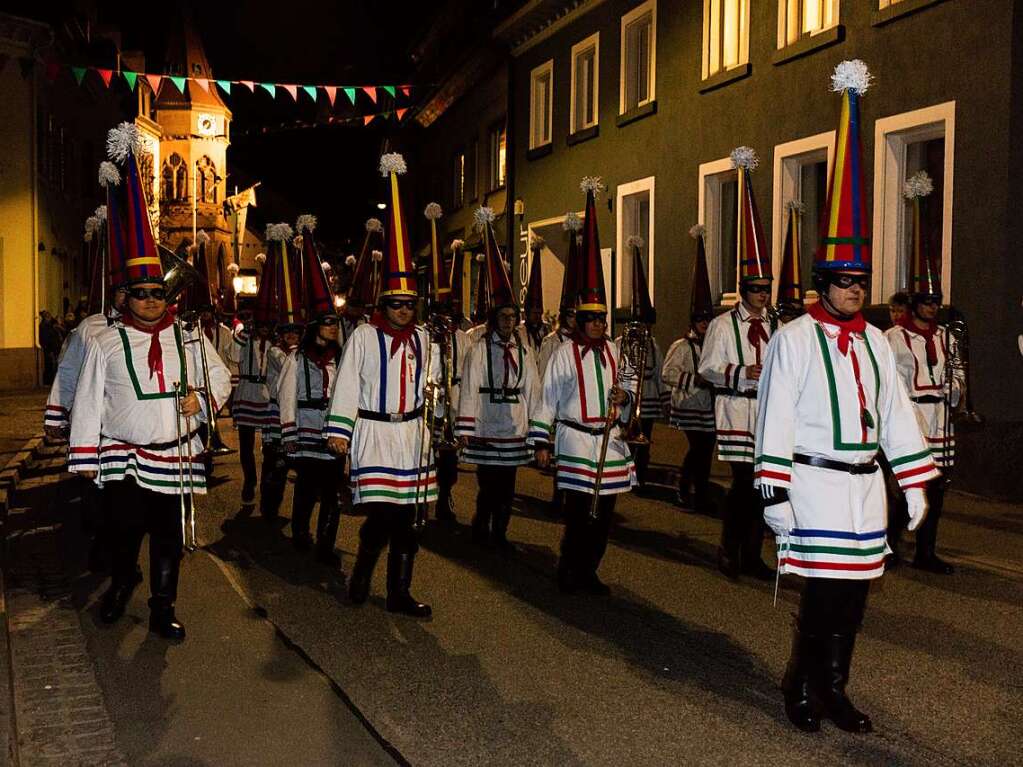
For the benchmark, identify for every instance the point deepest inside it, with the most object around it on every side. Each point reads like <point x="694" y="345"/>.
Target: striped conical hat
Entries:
<point x="754" y="259"/>
<point x="926" y="275"/>
<point x="790" y="285"/>
<point x="591" y="295"/>
<point x="398" y="277"/>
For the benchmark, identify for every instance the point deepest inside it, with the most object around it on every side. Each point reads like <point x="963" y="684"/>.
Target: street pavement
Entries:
<point x="678" y="666"/>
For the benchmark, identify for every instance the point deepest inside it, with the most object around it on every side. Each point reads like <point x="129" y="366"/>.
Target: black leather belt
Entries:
<point x="374" y="415"/>
<point x="827" y="463"/>
<point x="498" y="390"/>
<point x="596" y="432"/>
<point x="932" y="399"/>
<point x="723" y="392"/>
<point x="313" y="404"/>
<point x="253" y="379"/>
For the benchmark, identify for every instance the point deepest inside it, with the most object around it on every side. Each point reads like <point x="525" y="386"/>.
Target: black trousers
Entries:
<point x="743" y="528"/>
<point x="494" y="499"/>
<point x="133" y="512"/>
<point x="641" y="453"/>
<point x="447" y="472"/>
<point x="831" y="606"/>
<point x="927" y="533"/>
<point x="316" y="481"/>
<point x="247" y="454"/>
<point x="273" y="480"/>
<point x="585" y="539"/>
<point x="389" y="523"/>
<point x="696" y="465"/>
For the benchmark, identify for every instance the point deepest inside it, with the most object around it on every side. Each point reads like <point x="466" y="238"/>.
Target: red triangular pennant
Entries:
<point x="154" y="82"/>
<point x="202" y="82"/>
<point x="292" y="90"/>
<point x="401" y="113"/>
<point x="367" y="119"/>
<point x="331" y="92"/>
<point x="249" y="84"/>
<point x="106" y="74"/>
<point x="406" y="90"/>
<point x="370" y="91"/>
<point x="52" y="69"/>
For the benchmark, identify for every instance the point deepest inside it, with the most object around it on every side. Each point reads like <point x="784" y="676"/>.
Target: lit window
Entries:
<point x="639" y="56"/>
<point x="635" y="203"/>
<point x="719" y="212"/>
<point x="585" y="58"/>
<point x="458" y="179"/>
<point x="725" y="35"/>
<point x="804" y="18"/>
<point x="496" y="156"/>
<point x="541" y="101"/>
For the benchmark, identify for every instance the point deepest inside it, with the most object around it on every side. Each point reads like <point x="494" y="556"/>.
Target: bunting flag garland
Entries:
<point x="130" y="78"/>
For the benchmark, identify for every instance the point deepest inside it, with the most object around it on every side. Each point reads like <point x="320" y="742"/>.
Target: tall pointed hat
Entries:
<point x="481" y="304"/>
<point x="642" y="308"/>
<point x="534" y="288"/>
<point x="95" y="239"/>
<point x="319" y="299"/>
<point x="926" y="277"/>
<point x="113" y="232"/>
<point x="264" y="310"/>
<point x="457" y="277"/>
<point x="754" y="259"/>
<point x="130" y="231"/>
<point x="362" y="290"/>
<point x="289" y="308"/>
<point x="498" y="280"/>
<point x="398" y="277"/>
<point x="440" y="278"/>
<point x="701" y="303"/>
<point x="845" y="233"/>
<point x="573" y="225"/>
<point x="790" y="284"/>
<point x="591" y="294"/>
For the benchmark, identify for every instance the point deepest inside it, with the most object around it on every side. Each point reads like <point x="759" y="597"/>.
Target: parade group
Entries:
<point x="836" y="433"/>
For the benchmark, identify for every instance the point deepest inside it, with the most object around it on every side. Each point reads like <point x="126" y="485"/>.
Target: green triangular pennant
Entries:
<point x="350" y="93"/>
<point x="389" y="90"/>
<point x="178" y="81"/>
<point x="269" y="88"/>
<point x="79" y="73"/>
<point x="131" y="77"/>
<point x="311" y="90"/>
<point x="225" y="85"/>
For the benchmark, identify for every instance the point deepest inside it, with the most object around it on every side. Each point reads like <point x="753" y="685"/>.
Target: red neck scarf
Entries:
<point x="756" y="335"/>
<point x="927" y="333"/>
<point x="155" y="357"/>
<point x="855" y="324"/>
<point x="597" y="346"/>
<point x="511" y="362"/>
<point x="398" y="336"/>
<point x="321" y="356"/>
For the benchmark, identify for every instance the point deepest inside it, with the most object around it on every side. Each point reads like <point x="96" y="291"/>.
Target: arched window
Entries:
<point x="207" y="180"/>
<point x="174" y="179"/>
<point x="167" y="182"/>
<point x="146" y="172"/>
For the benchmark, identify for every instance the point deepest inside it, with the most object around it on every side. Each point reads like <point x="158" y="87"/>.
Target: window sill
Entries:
<point x="584" y="134"/>
<point x="724" y="78"/>
<point x="809" y="44"/>
<point x="541" y="151"/>
<point x="897" y="11"/>
<point x="637" y="113"/>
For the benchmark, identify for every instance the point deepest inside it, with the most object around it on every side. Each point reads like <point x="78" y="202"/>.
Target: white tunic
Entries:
<point x="303" y="395"/>
<point x="123" y="420"/>
<point x="386" y="462"/>
<point x="252" y="397"/>
<point x="460" y="348"/>
<point x="497" y="398"/>
<point x="692" y="405"/>
<point x="228" y="346"/>
<point x="926" y="387"/>
<point x="275" y="358"/>
<point x="815" y="401"/>
<point x="72" y="357"/>
<point x="476" y="332"/>
<point x="548" y="346"/>
<point x="726" y="354"/>
<point x="574" y="395"/>
<point x="655" y="393"/>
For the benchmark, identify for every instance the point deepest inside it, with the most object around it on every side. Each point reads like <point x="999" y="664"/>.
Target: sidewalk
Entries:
<point x="235" y="692"/>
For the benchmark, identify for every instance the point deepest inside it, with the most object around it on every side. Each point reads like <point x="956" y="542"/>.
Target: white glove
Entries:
<point x="916" y="505"/>
<point x="780" y="517"/>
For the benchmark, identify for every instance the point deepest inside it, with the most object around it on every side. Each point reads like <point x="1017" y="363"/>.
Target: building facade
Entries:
<point x="652" y="96"/>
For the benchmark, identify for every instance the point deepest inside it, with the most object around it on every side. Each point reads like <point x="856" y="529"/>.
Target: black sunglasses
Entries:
<point x="758" y="288"/>
<point x="141" y="294"/>
<point x="394" y="304"/>
<point x="585" y="317"/>
<point x="846" y="281"/>
<point x="328" y="320"/>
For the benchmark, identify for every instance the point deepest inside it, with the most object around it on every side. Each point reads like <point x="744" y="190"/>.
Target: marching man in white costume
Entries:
<point x="499" y="392"/>
<point x="127" y="432"/>
<point x="830" y="398"/>
<point x="733" y="355"/>
<point x="584" y="394"/>
<point x="376" y="417"/>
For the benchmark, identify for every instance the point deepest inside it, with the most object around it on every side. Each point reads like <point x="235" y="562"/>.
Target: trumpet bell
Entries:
<point x="178" y="274"/>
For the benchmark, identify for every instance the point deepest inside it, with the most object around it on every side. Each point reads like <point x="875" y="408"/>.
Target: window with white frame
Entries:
<point x="638" y="57"/>
<point x="920" y="140"/>
<point x="635" y="211"/>
<point x="718" y="212"/>
<point x="725" y="35"/>
<point x="496" y="155"/>
<point x="801" y="172"/>
<point x="804" y="18"/>
<point x="541" y="102"/>
<point x="585" y="69"/>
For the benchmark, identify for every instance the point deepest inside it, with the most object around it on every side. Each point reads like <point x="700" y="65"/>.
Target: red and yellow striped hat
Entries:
<point x="591" y="295"/>
<point x="923" y="260"/>
<point x="754" y="260"/>
<point x="399" y="276"/>
<point x="440" y="278"/>
<point x="790" y="285"/>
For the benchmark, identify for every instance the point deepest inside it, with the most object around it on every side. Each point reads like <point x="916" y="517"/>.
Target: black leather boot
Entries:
<point x="499" y="531"/>
<point x="399" y="580"/>
<point x="362" y="573"/>
<point x="801" y="705"/>
<point x="835" y="659"/>
<point x="163" y="577"/>
<point x="326" y="536"/>
<point x="444" y="510"/>
<point x="114" y="602"/>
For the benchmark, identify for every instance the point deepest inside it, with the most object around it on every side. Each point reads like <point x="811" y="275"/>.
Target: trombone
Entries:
<point x="635" y="342"/>
<point x="605" y="436"/>
<point x="425" y="438"/>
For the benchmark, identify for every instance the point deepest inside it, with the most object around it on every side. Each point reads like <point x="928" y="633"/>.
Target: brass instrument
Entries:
<point x="609" y="422"/>
<point x="188" y="535"/>
<point x="425" y="437"/>
<point x="635" y="342"/>
<point x="442" y="329"/>
<point x="961" y="416"/>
